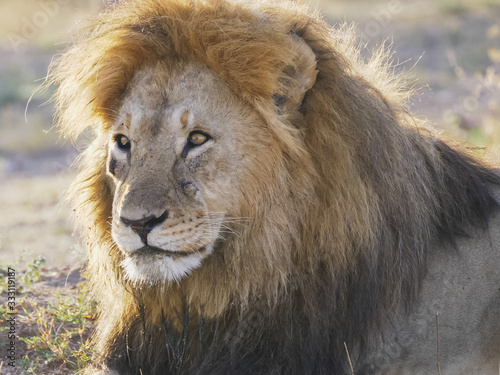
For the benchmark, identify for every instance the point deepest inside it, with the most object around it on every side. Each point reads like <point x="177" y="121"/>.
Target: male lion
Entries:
<point x="258" y="200"/>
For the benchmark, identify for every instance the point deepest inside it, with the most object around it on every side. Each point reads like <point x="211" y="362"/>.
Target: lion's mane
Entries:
<point x="363" y="194"/>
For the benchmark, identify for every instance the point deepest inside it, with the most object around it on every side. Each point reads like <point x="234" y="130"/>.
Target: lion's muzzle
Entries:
<point x="143" y="226"/>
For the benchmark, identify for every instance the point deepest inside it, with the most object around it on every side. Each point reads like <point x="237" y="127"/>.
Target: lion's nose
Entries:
<point x="143" y="226"/>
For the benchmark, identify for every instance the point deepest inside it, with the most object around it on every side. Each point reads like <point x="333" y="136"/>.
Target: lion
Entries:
<point x="258" y="199"/>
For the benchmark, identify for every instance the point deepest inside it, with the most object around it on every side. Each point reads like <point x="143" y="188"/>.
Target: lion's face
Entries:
<point x="179" y="149"/>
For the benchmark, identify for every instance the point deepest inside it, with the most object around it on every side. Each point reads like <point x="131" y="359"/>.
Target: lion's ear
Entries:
<point x="299" y="79"/>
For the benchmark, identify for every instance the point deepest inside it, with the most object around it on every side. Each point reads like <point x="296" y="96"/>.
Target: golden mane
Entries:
<point x="369" y="192"/>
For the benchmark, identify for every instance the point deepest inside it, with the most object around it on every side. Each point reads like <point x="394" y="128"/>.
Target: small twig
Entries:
<point x="349" y="358"/>
<point x="58" y="329"/>
<point x="437" y="343"/>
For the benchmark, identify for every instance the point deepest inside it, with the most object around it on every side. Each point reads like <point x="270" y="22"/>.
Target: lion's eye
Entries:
<point x="122" y="142"/>
<point x="197" y="138"/>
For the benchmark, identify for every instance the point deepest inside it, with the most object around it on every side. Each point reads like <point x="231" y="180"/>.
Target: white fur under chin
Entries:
<point x="161" y="269"/>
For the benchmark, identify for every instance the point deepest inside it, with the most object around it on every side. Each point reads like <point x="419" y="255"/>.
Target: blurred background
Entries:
<point x="451" y="48"/>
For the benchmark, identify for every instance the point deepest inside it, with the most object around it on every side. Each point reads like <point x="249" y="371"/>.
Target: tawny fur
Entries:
<point x="341" y="219"/>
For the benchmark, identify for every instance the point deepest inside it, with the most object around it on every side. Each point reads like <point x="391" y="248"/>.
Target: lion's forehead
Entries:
<point x="162" y="105"/>
<point x="158" y="91"/>
<point x="161" y="109"/>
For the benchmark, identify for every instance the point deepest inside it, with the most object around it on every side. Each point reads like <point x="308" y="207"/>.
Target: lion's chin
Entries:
<point x="156" y="266"/>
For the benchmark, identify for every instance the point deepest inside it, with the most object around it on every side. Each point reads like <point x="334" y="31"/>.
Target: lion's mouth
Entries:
<point x="156" y="265"/>
<point x="148" y="251"/>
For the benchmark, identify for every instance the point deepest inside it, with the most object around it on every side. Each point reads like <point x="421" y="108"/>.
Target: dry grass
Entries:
<point x="54" y="319"/>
